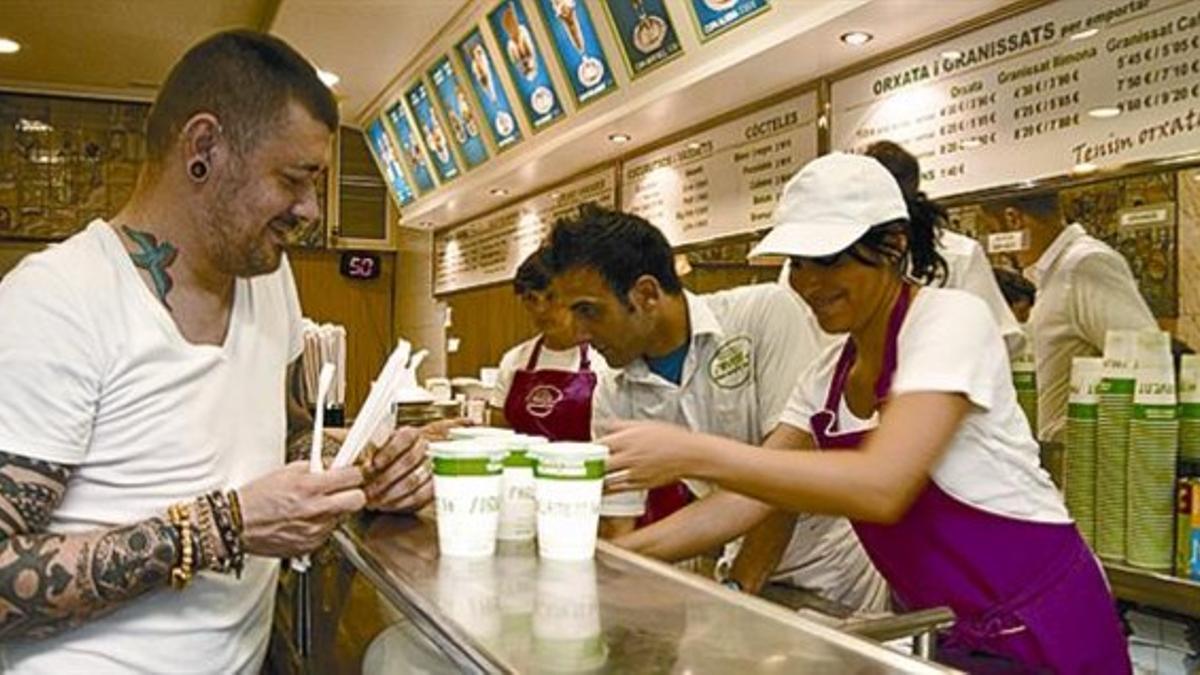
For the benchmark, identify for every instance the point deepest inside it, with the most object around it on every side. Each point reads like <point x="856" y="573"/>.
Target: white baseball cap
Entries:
<point x="830" y="204"/>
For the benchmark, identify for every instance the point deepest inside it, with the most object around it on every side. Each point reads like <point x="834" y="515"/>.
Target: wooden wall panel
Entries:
<point x="363" y="307"/>
<point x="487" y="321"/>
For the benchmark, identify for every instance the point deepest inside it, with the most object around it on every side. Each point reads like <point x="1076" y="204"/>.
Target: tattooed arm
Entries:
<point x="52" y="582"/>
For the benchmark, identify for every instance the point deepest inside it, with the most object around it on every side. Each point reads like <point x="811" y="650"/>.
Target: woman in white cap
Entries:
<point x="927" y="451"/>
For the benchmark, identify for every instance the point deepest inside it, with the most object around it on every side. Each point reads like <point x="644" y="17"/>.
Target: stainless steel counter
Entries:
<point x="518" y="613"/>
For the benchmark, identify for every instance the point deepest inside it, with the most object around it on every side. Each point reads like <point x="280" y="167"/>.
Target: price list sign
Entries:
<point x="388" y="162"/>
<point x="1071" y="86"/>
<point x="725" y="180"/>
<point x="489" y="249"/>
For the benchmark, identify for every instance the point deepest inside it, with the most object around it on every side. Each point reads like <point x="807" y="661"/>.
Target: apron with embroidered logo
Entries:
<point x="1029" y="592"/>
<point x="556" y="404"/>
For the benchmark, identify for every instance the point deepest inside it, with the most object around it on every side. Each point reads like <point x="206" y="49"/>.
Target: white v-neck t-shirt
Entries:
<point x="95" y="374"/>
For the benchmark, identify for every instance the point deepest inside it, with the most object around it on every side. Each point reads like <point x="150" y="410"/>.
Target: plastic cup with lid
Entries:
<point x="466" y="488"/>
<point x="465" y="433"/>
<point x="569" y="479"/>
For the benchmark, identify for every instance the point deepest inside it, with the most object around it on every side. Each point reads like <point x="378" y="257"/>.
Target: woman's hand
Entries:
<point x="645" y="455"/>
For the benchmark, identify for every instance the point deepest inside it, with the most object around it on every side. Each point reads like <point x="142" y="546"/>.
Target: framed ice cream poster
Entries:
<point x="480" y="67"/>
<point x="459" y="113"/>
<point x="647" y="35"/>
<point x="388" y="162"/>
<point x="570" y="25"/>
<point x="526" y="66"/>
<point x="714" y="17"/>
<point x="431" y="132"/>
<point x="418" y="163"/>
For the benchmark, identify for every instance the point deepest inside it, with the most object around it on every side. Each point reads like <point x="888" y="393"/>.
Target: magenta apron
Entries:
<point x="556" y="404"/>
<point x="1029" y="592"/>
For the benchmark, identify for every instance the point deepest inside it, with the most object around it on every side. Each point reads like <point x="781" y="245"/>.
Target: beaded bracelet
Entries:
<point x="235" y="508"/>
<point x="208" y="537"/>
<point x="229" y="534"/>
<point x="181" y="519"/>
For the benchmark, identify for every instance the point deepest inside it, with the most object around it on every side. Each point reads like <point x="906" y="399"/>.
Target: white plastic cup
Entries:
<point x="490" y="433"/>
<point x="518" y="495"/>
<point x="569" y="479"/>
<point x="466" y="488"/>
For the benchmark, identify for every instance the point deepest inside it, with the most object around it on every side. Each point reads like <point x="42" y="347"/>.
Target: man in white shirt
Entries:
<point x="143" y="364"/>
<point x="723" y="363"/>
<point x="1084" y="290"/>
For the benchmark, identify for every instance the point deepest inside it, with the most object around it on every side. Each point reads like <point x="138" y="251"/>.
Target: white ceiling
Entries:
<point x="125" y="47"/>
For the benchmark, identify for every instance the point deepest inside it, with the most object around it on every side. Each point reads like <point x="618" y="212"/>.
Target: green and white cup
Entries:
<point x="487" y="433"/>
<point x="567" y="637"/>
<point x="1153" y="453"/>
<point x="518" y="498"/>
<point x="1112" y="442"/>
<point x="1082" y="410"/>
<point x="569" y="480"/>
<point x="466" y="488"/>
<point x="1189" y="408"/>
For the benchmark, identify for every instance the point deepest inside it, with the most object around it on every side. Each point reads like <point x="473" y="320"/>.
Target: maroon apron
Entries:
<point x="1031" y="593"/>
<point x="556" y="404"/>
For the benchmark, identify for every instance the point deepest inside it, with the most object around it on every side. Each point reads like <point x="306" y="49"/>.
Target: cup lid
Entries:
<point x="524" y="441"/>
<point x="480" y="432"/>
<point x="570" y="451"/>
<point x="467" y="448"/>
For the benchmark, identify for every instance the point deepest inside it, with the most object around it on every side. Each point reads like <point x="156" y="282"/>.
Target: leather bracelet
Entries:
<point x="235" y="509"/>
<point x="208" y="537"/>
<point x="230" y="537"/>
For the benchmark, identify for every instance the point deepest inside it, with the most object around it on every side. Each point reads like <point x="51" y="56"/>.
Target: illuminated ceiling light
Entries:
<point x="1104" y="112"/>
<point x="498" y="192"/>
<point x="9" y="46"/>
<point x="330" y="79"/>
<point x="620" y="138"/>
<point x="952" y="55"/>
<point x="1085" y="34"/>
<point x="694" y="145"/>
<point x="856" y="38"/>
<point x="555" y="195"/>
<point x="1083" y="168"/>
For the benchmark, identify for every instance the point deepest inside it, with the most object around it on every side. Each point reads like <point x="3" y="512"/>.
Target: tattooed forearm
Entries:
<point x="52" y="582"/>
<point x="29" y="491"/>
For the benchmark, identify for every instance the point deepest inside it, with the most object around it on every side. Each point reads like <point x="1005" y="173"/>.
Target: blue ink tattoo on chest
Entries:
<point x="155" y="258"/>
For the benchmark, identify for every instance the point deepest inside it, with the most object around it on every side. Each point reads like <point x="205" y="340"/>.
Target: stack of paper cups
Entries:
<point x="1112" y="441"/>
<point x="518" y="502"/>
<point x="1153" y="452"/>
<point x="1080" y="480"/>
<point x="1025" y="382"/>
<point x="1189" y="409"/>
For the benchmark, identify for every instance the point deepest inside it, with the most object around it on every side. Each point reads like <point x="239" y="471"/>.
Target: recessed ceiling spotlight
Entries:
<point x="856" y="38"/>
<point x="694" y="145"/>
<point x="426" y="223"/>
<point x="555" y="195"/>
<point x="620" y="138"/>
<point x="498" y="192"/>
<point x="1083" y="168"/>
<point x="952" y="55"/>
<point x="1085" y="34"/>
<point x="9" y="46"/>
<point x="1104" y="113"/>
<point x="330" y="79"/>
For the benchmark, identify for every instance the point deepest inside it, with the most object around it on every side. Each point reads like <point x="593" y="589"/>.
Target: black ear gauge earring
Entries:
<point x="198" y="170"/>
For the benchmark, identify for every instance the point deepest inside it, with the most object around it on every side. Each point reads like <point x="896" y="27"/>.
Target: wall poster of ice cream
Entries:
<point x="418" y="164"/>
<point x="510" y="27"/>
<point x="571" y="29"/>
<point x="714" y="17"/>
<point x="459" y="113"/>
<point x="647" y="35"/>
<point x="388" y="162"/>
<point x="477" y="62"/>
<point x="436" y="142"/>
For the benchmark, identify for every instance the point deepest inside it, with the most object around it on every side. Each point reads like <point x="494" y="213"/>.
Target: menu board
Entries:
<point x="725" y="180"/>
<point x="1071" y="85"/>
<point x="570" y="25"/>
<point x="436" y="145"/>
<point x="418" y="164"/>
<point x="493" y="100"/>
<point x="526" y="67"/>
<point x="645" y="31"/>
<point x="489" y="249"/>
<point x="388" y="162"/>
<point x="714" y="17"/>
<point x="464" y="124"/>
